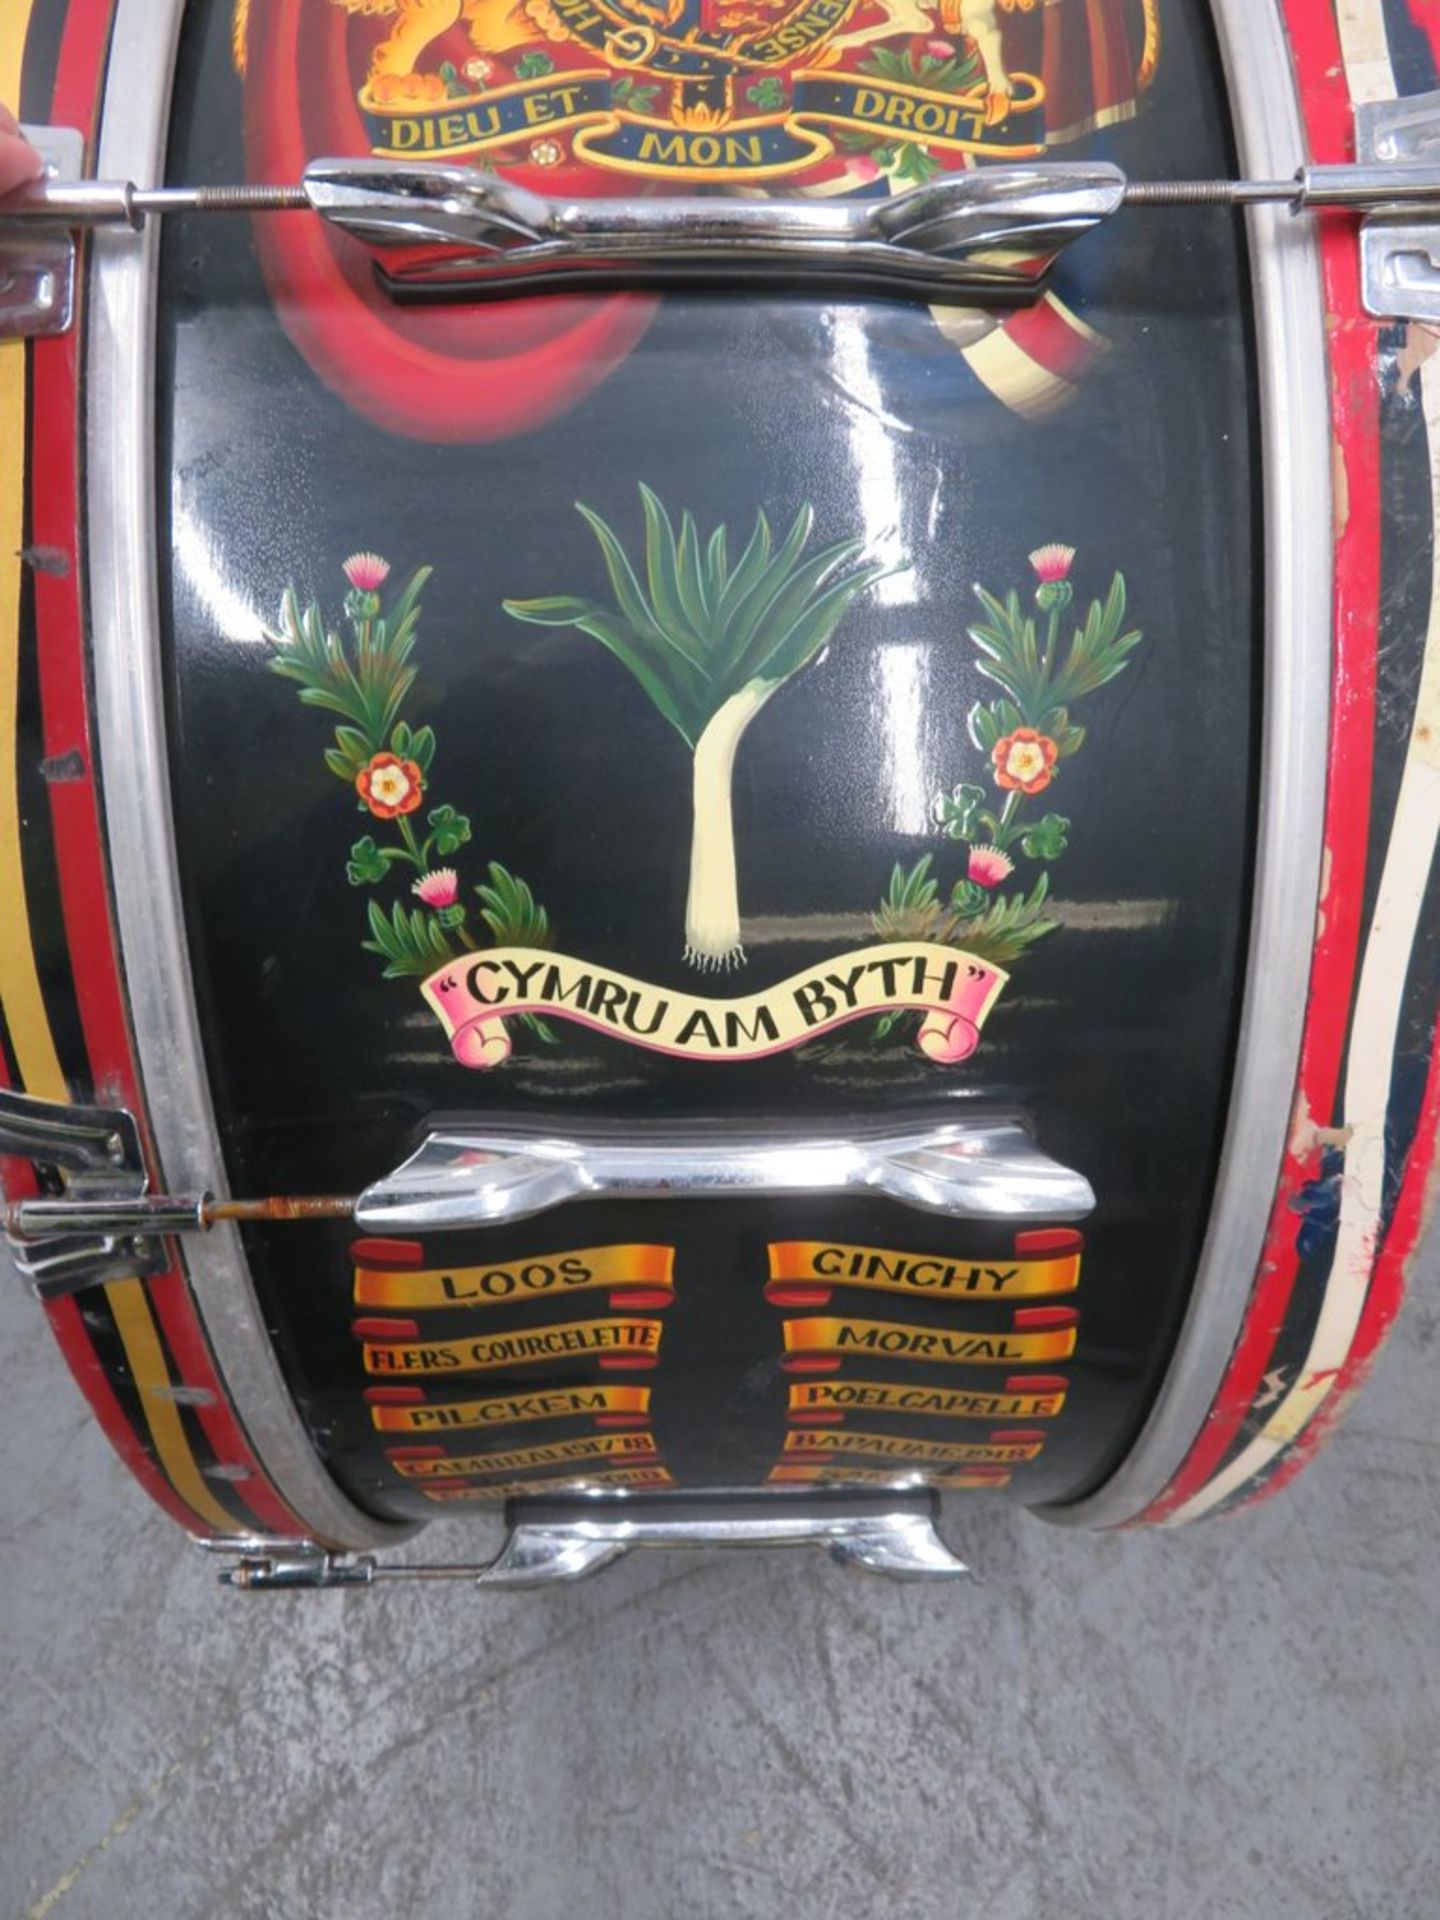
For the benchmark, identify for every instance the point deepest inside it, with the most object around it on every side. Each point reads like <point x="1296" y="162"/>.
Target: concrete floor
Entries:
<point x="1240" y="1721"/>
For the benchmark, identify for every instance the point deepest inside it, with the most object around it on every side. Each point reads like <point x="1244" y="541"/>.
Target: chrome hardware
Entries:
<point x="968" y="236"/>
<point x="270" y="1564"/>
<point x="37" y="269"/>
<point x="68" y="1261"/>
<point x="551" y="1542"/>
<point x="991" y="233"/>
<point x="1399" y="253"/>
<point x="895" y="1536"/>
<point x="484" y="1176"/>
<point x="106" y="1224"/>
<point x="99" y="1147"/>
<point x="146" y="1213"/>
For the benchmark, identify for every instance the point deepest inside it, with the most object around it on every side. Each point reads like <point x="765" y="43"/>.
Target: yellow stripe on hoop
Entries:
<point x="19" y="980"/>
<point x="20" y="993"/>
<point x="146" y="1358"/>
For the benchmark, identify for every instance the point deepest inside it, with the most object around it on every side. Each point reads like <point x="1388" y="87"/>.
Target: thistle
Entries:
<point x="1027" y="736"/>
<point x="711" y="643"/>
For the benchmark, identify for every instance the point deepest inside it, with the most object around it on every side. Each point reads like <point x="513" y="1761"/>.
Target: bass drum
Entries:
<point x="832" y="888"/>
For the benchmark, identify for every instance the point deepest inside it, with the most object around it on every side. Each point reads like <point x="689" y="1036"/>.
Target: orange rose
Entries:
<point x="1024" y="760"/>
<point x="390" y="786"/>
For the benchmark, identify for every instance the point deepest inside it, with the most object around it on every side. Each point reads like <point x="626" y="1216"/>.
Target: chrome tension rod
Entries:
<point x="564" y="1537"/>
<point x="80" y="204"/>
<point x="101" y="1216"/>
<point x="985" y="235"/>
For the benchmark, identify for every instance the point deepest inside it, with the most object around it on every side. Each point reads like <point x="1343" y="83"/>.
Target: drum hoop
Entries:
<point x="121" y="529"/>
<point x="1298" y="565"/>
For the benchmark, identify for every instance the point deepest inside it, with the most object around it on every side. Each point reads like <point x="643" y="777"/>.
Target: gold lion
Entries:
<point x="495" y="26"/>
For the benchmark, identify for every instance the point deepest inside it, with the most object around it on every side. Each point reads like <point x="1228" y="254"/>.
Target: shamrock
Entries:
<point x="957" y="812"/>
<point x="766" y="93"/>
<point x="450" y="829"/>
<point x="366" y="865"/>
<point x="1047" y="839"/>
<point x="534" y="65"/>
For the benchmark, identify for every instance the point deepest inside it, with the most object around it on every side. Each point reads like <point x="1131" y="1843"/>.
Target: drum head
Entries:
<point x="1018" y="731"/>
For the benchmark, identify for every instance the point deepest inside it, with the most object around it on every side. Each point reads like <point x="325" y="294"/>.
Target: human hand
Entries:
<point x="19" y="161"/>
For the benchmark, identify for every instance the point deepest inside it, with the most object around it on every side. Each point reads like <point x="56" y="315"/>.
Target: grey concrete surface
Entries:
<point x="1238" y="1721"/>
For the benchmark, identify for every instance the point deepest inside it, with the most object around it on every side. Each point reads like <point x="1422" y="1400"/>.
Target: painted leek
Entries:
<point x="711" y="643"/>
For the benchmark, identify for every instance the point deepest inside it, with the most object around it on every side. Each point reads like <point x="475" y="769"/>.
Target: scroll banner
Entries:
<point x="752" y="147"/>
<point x="514" y="1409"/>
<point x="617" y="1342"/>
<point x="838" y="1397"/>
<point x="513" y="1489"/>
<point x="826" y="1264"/>
<point x="794" y="1474"/>
<point x="595" y="1446"/>
<point x="896" y="1342"/>
<point x="533" y="1278"/>
<point x="896" y="1446"/>
<point x="474" y="996"/>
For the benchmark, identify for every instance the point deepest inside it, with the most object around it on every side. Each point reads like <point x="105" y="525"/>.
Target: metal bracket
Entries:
<point x="270" y="1563"/>
<point x="471" y="1176"/>
<point x="37" y="268"/>
<point x="972" y="236"/>
<point x="106" y="1221"/>
<point x="1400" y="250"/>
<point x="106" y="1225"/>
<point x="553" y="1542"/>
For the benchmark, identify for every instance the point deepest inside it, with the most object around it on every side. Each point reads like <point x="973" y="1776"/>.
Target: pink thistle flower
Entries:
<point x="438" y="889"/>
<point x="864" y="168"/>
<point x="989" y="866"/>
<point x="940" y="49"/>
<point x="1052" y="563"/>
<point x="366" y="572"/>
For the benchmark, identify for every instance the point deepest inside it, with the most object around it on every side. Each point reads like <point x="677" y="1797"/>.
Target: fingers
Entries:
<point x="19" y="161"/>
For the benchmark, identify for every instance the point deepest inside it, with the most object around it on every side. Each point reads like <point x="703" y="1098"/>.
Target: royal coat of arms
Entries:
<point x="829" y="96"/>
<point x="620" y="98"/>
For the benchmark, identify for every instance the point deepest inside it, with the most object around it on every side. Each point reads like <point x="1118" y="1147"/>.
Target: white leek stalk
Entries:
<point x="712" y="907"/>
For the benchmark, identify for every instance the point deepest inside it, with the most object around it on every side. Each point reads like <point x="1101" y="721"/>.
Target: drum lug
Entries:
<point x="977" y="1169"/>
<point x="37" y="266"/>
<point x="1400" y="248"/>
<point x="554" y="1542"/>
<point x="68" y="1263"/>
<point x="105" y="1225"/>
<point x="970" y="236"/>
